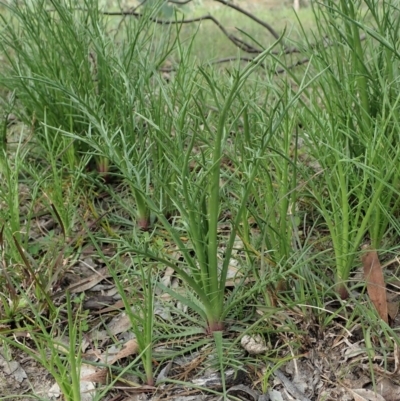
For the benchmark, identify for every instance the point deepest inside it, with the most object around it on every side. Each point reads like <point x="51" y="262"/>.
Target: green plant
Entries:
<point x="64" y="55"/>
<point x="354" y="133"/>
<point x="120" y="140"/>
<point x="201" y="202"/>
<point x="9" y="192"/>
<point x="139" y="306"/>
<point x="38" y="42"/>
<point x="274" y="193"/>
<point x="291" y="163"/>
<point x="60" y="180"/>
<point x="45" y="345"/>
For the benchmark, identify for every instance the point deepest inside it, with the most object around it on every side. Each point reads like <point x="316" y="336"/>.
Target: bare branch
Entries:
<point x="141" y="4"/>
<point x="250" y="59"/>
<point x="296" y="64"/>
<point x="234" y="39"/>
<point x="240" y="43"/>
<point x="244" y="46"/>
<point x="132" y="9"/>
<point x="251" y="16"/>
<point x="180" y="3"/>
<point x="247" y="60"/>
<point x="235" y="58"/>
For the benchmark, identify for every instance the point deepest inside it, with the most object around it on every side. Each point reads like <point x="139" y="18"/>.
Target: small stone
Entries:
<point x="254" y="345"/>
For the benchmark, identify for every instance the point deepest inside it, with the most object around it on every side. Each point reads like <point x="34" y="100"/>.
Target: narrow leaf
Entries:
<point x="59" y="219"/>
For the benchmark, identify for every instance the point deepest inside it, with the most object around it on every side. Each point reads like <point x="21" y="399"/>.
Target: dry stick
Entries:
<point x="262" y="23"/>
<point x="180" y="3"/>
<point x="245" y="59"/>
<point x="238" y="42"/>
<point x="251" y="16"/>
<point x="132" y="9"/>
<point x="244" y="46"/>
<point x="248" y="60"/>
<point x="296" y="64"/>
<point x="235" y="40"/>
<point x="237" y="8"/>
<point x="235" y="58"/>
<point x="281" y="70"/>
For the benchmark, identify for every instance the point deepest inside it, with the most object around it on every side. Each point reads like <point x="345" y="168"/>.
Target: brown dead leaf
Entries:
<point x="89" y="282"/>
<point x="112" y="308"/>
<point x="393" y="303"/>
<point x="393" y="309"/>
<point x="99" y="376"/>
<point x="131" y="347"/>
<point x="362" y="394"/>
<point x="375" y="283"/>
<point x="118" y="324"/>
<point x="389" y="390"/>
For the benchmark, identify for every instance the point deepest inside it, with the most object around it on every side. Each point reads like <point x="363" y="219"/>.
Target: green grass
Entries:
<point x="225" y="202"/>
